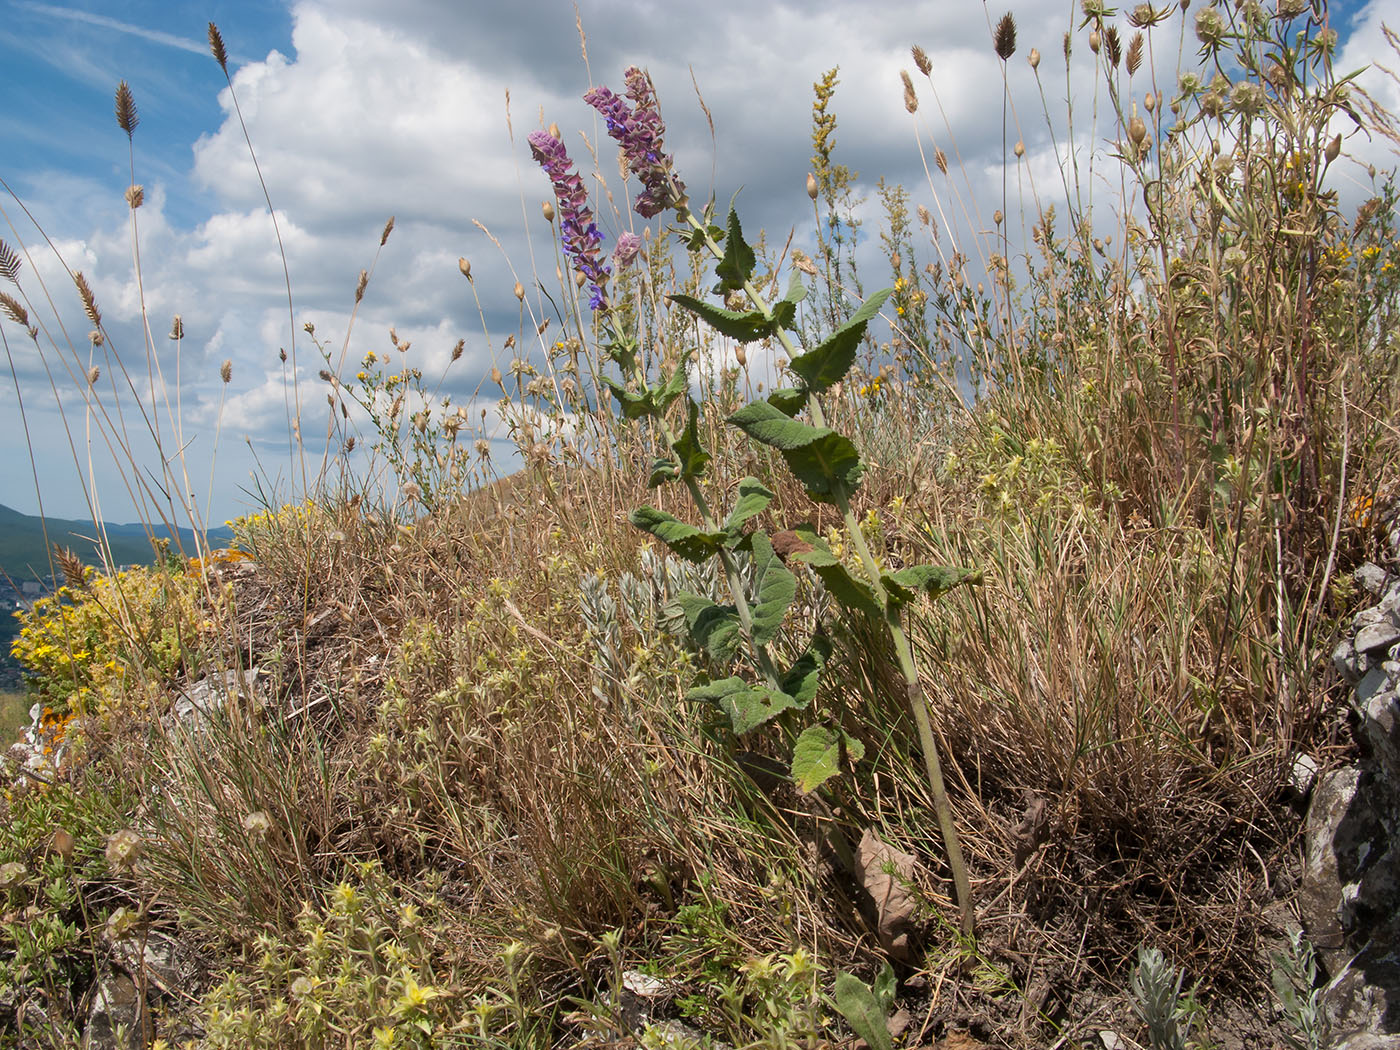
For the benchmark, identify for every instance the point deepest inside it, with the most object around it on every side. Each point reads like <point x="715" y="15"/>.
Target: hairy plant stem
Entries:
<point x="914" y="695"/>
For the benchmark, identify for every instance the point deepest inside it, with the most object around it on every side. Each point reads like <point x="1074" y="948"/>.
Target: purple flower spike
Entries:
<point x="639" y="130"/>
<point x="576" y="226"/>
<point x="628" y="246"/>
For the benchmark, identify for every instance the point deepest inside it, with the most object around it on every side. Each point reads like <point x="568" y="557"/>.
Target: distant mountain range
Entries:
<point x="24" y="555"/>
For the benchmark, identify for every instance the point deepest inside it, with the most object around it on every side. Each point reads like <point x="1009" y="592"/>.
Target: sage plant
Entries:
<point x="825" y="462"/>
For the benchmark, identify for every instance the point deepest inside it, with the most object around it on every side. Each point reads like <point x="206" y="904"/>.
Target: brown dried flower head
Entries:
<point x="911" y="100"/>
<point x="135" y="195"/>
<point x="177" y="327"/>
<point x="548" y="208"/>
<point x="1004" y="38"/>
<point x="216" y="47"/>
<point x="1113" y="47"/>
<point x="1134" y="59"/>
<point x="94" y="374"/>
<point x="89" y="300"/>
<point x="123" y="848"/>
<point x="14" y="309"/>
<point x="361" y="285"/>
<point x="125" y="107"/>
<point x="457" y="350"/>
<point x="9" y="263"/>
<point x="1034" y="58"/>
<point x="519" y="292"/>
<point x="941" y="159"/>
<point x="466" y="267"/>
<point x="388" y="229"/>
<point x="921" y="59"/>
<point x="226" y="370"/>
<point x="811" y="186"/>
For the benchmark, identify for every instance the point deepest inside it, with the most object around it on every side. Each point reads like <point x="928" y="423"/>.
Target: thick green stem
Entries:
<point x="914" y="694"/>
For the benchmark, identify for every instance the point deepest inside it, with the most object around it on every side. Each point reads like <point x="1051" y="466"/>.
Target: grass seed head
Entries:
<point x="125" y="107"/>
<point x="1004" y="39"/>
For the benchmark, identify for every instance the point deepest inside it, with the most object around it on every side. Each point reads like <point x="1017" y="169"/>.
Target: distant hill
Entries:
<point x="23" y="555"/>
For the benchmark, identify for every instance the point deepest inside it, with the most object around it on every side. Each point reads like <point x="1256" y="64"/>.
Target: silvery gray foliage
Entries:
<point x="599" y="612"/>
<point x="1295" y="982"/>
<point x="1159" y="1003"/>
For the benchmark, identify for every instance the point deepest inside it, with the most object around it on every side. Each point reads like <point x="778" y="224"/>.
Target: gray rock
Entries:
<point x="1343" y="838"/>
<point x="1377" y="637"/>
<point x="1380" y="728"/>
<point x="1350" y="664"/>
<point x="117" y="1017"/>
<point x="1302" y="774"/>
<point x="1367" y="1041"/>
<point x="1375" y="681"/>
<point x="166" y="965"/>
<point x="1365" y="996"/>
<point x="195" y="704"/>
<point x="1372" y="577"/>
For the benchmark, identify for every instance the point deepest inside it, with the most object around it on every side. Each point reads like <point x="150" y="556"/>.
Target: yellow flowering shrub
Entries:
<point x="83" y="645"/>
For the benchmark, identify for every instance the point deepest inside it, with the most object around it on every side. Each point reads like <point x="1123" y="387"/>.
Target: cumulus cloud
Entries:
<point x="420" y="109"/>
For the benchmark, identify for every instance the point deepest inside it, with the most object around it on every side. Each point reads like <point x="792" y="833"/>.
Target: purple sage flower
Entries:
<point x="639" y="129"/>
<point x="628" y="246"/>
<point x="578" y="231"/>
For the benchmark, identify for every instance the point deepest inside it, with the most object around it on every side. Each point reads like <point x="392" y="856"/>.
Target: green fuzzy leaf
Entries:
<point x="885" y="987"/>
<point x="936" y="580"/>
<point x="634" y="405"/>
<point x="818" y="457"/>
<point x="855" y="594"/>
<point x="788" y="400"/>
<point x="745" y="326"/>
<point x="686" y="540"/>
<point x="776" y="590"/>
<point x="785" y="314"/>
<point x="691" y="456"/>
<point x="675" y="385"/>
<point x="737" y="265"/>
<point x="748" y="706"/>
<point x="833" y="357"/>
<point x="696" y="241"/>
<point x="797" y="291"/>
<point x="800" y="681"/>
<point x="863" y="1011"/>
<point x="754" y="498"/>
<point x="816" y="757"/>
<point x="714" y="627"/>
<point x="663" y="470"/>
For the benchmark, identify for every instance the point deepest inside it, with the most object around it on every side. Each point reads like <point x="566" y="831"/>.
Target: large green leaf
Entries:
<point x="748" y="706"/>
<point x="788" y="400"/>
<point x="686" y="540"/>
<point x="833" y="356"/>
<point x="776" y="589"/>
<point x="935" y="580"/>
<point x="653" y="400"/>
<point x="819" y="457"/>
<point x="714" y="627"/>
<point x="863" y="1011"/>
<point x="691" y="456"/>
<point x="816" y="756"/>
<point x="797" y="290"/>
<point x="852" y="592"/>
<point x="746" y="326"/>
<point x="754" y="498"/>
<point x="800" y="681"/>
<point x="737" y="265"/>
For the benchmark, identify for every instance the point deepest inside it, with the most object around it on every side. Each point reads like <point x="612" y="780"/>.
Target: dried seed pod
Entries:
<point x="548" y="208"/>
<point x="465" y="267"/>
<point x="811" y="186"/>
<point x="519" y="292"/>
<point x="1150" y="102"/>
<point x="1034" y="58"/>
<point x="1020" y="148"/>
<point x="1137" y="130"/>
<point x="1334" y="149"/>
<point x="1094" y="41"/>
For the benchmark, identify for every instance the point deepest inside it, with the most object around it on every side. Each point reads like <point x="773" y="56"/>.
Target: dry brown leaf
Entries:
<point x="887" y="875"/>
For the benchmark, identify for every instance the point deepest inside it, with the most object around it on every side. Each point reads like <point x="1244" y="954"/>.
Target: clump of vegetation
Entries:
<point x="478" y="763"/>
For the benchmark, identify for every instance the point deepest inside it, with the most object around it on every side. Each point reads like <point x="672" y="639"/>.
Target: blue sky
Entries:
<point x="360" y="110"/>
